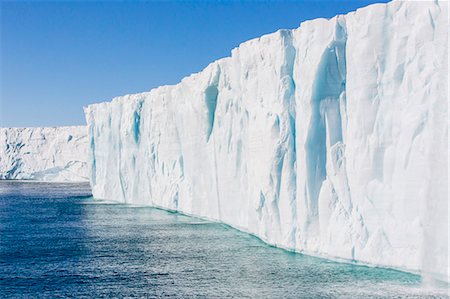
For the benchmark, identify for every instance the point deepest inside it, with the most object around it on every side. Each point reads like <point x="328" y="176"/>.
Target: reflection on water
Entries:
<point x="57" y="242"/>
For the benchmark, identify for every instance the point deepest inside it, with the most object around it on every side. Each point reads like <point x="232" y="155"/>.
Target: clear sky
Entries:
<point x="57" y="57"/>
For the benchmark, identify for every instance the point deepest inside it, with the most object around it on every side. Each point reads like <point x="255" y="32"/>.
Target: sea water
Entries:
<point x="56" y="241"/>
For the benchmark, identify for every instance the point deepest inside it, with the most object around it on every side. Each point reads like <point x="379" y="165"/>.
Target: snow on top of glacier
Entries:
<point x="165" y="88"/>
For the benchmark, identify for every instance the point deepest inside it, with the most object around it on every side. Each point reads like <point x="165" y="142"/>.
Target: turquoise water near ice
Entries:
<point x="56" y="242"/>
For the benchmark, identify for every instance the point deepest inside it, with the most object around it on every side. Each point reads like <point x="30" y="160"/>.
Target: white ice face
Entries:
<point x="44" y="154"/>
<point x="330" y="139"/>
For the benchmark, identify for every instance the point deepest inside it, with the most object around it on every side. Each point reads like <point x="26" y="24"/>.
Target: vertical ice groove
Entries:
<point x="120" y="150"/>
<point x="93" y="156"/>
<point x="287" y="165"/>
<point x="217" y="181"/>
<point x="325" y="119"/>
<point x="137" y="121"/>
<point x="211" y="95"/>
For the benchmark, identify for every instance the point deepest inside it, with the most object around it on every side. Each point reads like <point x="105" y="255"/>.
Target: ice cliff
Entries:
<point x="44" y="154"/>
<point x="330" y="139"/>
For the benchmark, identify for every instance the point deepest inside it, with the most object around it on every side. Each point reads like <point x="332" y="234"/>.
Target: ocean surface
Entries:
<point x="56" y="241"/>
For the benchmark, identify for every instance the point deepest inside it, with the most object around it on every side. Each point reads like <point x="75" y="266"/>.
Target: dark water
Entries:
<point x="55" y="241"/>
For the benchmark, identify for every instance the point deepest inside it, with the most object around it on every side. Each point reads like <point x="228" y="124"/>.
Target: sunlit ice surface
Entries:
<point x="56" y="241"/>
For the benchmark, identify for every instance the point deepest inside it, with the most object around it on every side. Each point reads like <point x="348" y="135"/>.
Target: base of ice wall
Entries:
<point x="44" y="154"/>
<point x="330" y="139"/>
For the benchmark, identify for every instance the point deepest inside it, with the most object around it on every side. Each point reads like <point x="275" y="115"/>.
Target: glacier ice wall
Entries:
<point x="44" y="154"/>
<point x="330" y="139"/>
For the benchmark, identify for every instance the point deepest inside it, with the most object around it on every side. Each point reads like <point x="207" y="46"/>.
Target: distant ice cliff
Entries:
<point x="44" y="154"/>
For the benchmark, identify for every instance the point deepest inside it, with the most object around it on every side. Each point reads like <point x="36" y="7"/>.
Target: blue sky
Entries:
<point x="57" y="57"/>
